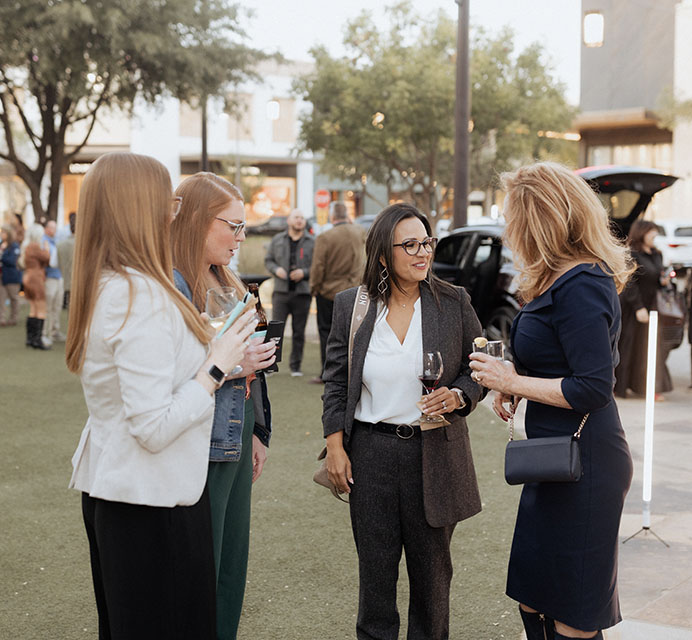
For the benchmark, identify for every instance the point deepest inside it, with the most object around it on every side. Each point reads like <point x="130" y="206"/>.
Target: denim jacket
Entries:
<point x="229" y="410"/>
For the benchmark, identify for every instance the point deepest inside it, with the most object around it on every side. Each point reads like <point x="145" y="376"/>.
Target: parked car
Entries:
<point x="675" y="242"/>
<point x="474" y="257"/>
<point x="273" y="225"/>
<point x="365" y="221"/>
<point x="625" y="191"/>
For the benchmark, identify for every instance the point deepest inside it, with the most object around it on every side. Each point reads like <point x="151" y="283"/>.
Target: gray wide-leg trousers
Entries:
<point x="387" y="516"/>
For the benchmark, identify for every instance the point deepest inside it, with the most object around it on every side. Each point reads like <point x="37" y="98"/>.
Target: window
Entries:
<point x="452" y="249"/>
<point x="284" y="127"/>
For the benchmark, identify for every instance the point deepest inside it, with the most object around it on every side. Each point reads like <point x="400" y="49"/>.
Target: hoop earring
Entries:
<point x="382" y="285"/>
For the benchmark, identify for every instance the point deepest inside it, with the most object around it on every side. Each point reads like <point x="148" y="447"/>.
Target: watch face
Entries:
<point x="216" y="373"/>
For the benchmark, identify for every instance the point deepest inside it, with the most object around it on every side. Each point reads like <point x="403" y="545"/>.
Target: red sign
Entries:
<point x="322" y="199"/>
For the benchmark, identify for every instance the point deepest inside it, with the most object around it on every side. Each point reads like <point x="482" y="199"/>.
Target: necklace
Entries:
<point x="405" y="305"/>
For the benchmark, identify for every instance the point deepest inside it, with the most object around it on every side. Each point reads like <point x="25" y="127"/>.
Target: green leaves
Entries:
<point x="68" y="59"/>
<point x="407" y="74"/>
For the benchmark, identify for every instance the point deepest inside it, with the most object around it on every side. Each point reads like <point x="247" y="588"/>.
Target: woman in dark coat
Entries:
<point x="563" y="563"/>
<point x="409" y="482"/>
<point x="34" y="260"/>
<point x="11" y="275"/>
<point x="636" y="301"/>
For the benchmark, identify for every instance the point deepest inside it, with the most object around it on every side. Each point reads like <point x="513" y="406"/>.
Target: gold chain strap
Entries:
<point x="576" y="435"/>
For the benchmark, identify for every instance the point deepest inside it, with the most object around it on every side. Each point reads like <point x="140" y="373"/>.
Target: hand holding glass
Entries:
<point x="431" y="372"/>
<point x="219" y="304"/>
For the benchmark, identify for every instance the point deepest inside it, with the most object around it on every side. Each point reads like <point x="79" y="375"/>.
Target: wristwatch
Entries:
<point x="460" y="395"/>
<point x="216" y="375"/>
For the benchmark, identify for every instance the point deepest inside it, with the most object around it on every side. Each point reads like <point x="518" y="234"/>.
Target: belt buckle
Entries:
<point x="401" y="430"/>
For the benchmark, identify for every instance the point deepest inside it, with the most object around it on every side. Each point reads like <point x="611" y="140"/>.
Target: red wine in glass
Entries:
<point x="430" y="374"/>
<point x="429" y="382"/>
<point x="431" y="371"/>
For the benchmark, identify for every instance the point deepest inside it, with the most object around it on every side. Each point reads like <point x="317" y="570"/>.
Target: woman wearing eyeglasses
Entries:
<point x="408" y="488"/>
<point x="149" y="372"/>
<point x="206" y="234"/>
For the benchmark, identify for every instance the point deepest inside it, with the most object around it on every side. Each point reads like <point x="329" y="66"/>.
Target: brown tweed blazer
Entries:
<point x="449" y="479"/>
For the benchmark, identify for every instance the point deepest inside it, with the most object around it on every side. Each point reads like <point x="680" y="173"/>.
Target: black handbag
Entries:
<point x="555" y="459"/>
<point x="671" y="317"/>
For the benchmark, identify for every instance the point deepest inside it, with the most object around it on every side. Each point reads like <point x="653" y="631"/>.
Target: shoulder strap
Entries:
<point x="576" y="435"/>
<point x="360" y="310"/>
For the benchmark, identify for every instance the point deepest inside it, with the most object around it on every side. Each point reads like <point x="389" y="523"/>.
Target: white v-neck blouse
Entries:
<point x="391" y="387"/>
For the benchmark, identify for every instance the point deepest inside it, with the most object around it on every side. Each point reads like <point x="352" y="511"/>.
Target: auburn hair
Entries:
<point x="204" y="196"/>
<point x="554" y="219"/>
<point x="124" y="221"/>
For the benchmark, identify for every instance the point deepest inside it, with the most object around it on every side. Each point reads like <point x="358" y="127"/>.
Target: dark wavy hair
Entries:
<point x="379" y="244"/>
<point x="635" y="238"/>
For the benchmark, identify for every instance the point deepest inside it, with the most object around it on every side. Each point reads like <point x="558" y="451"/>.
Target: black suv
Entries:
<point x="474" y="257"/>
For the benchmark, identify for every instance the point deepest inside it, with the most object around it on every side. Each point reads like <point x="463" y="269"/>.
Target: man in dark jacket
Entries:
<point x="288" y="259"/>
<point x="338" y="265"/>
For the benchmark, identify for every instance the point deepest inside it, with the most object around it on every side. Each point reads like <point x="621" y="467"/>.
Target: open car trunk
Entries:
<point x="625" y="191"/>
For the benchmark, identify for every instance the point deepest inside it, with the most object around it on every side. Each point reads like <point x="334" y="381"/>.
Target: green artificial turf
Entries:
<point x="302" y="579"/>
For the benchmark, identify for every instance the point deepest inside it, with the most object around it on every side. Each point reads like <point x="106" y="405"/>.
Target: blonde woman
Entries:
<point x="149" y="373"/>
<point x="206" y="234"/>
<point x="563" y="563"/>
<point x="34" y="258"/>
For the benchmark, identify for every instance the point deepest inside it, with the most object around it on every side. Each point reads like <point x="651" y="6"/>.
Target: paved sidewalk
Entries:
<point x="655" y="580"/>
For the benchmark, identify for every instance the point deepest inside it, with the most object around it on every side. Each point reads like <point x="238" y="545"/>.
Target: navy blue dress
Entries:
<point x="563" y="561"/>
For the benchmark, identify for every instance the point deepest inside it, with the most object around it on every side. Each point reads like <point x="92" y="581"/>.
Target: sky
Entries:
<point x="294" y="27"/>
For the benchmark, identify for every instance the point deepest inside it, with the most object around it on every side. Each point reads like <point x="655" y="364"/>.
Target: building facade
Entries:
<point x="641" y="53"/>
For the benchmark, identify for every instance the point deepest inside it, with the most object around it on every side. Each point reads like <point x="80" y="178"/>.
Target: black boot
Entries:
<point x="29" y="331"/>
<point x="559" y="636"/>
<point x="37" y="341"/>
<point x="537" y="626"/>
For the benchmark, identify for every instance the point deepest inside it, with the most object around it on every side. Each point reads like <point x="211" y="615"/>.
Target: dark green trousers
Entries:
<point x="230" y="486"/>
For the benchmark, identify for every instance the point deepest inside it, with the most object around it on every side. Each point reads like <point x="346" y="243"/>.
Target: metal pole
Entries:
<point x="205" y="158"/>
<point x="462" y="115"/>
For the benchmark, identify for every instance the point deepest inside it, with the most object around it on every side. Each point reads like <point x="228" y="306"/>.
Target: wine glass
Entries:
<point x="219" y="304"/>
<point x="431" y="372"/>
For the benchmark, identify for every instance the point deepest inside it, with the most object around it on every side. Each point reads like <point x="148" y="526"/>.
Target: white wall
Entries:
<point x="682" y="135"/>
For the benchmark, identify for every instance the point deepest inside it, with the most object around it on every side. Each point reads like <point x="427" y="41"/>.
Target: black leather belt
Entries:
<point x="403" y="431"/>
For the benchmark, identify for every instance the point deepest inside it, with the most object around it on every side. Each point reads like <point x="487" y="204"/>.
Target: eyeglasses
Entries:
<point x="176" y="203"/>
<point x="412" y="247"/>
<point x="236" y="227"/>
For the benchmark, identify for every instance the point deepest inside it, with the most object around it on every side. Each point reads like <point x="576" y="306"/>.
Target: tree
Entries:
<point x="63" y="62"/>
<point x="517" y="108"/>
<point x="672" y="110"/>
<point x="386" y="111"/>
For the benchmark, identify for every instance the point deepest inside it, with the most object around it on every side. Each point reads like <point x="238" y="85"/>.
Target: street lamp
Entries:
<point x="462" y="113"/>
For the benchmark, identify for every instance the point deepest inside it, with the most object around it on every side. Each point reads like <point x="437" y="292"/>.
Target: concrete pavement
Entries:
<point x="655" y="580"/>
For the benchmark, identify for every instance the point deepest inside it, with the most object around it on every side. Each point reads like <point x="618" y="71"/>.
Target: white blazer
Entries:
<point x="147" y="437"/>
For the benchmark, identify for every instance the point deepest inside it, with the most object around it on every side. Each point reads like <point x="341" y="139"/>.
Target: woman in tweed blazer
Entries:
<point x="408" y="488"/>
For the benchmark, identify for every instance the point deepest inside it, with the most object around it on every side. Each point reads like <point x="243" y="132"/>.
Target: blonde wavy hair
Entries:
<point x="204" y="195"/>
<point x="554" y="219"/>
<point x="124" y="221"/>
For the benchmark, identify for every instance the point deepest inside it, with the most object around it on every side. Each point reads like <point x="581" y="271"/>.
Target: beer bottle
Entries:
<point x="262" y="323"/>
